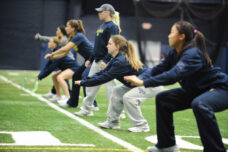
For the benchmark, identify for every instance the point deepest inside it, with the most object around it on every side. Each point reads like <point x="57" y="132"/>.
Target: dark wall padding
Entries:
<point x="20" y="20"/>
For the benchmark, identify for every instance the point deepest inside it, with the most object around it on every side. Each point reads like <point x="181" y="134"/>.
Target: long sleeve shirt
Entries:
<point x="117" y="68"/>
<point x="190" y="69"/>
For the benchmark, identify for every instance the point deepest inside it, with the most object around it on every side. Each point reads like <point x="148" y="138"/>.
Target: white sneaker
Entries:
<point x="62" y="100"/>
<point x="48" y="95"/>
<point x="54" y="98"/>
<point x="108" y="125"/>
<point x="139" y="129"/>
<point x="84" y="113"/>
<point x="95" y="108"/>
<point x="168" y="149"/>
<point x="64" y="105"/>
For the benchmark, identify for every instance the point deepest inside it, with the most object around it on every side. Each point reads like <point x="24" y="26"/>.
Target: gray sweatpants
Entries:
<point x="91" y="92"/>
<point x="130" y="98"/>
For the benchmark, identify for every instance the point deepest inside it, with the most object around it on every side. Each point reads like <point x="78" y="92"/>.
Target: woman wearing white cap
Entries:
<point x="100" y="57"/>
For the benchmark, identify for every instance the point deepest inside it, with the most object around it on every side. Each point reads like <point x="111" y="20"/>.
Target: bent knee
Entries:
<point x="161" y="96"/>
<point x="59" y="78"/>
<point x="199" y="106"/>
<point x="115" y="91"/>
<point x="54" y="76"/>
<point x="129" y="100"/>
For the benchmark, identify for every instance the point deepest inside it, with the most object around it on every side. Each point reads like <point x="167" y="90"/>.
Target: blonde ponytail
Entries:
<point x="132" y="57"/>
<point x="127" y="48"/>
<point x="116" y="19"/>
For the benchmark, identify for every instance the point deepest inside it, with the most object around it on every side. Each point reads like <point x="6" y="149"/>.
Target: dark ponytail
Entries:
<point x="200" y="43"/>
<point x="193" y="38"/>
<point x="62" y="29"/>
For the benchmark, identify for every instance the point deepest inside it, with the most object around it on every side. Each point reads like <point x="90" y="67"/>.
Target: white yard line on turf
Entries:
<point x="80" y="120"/>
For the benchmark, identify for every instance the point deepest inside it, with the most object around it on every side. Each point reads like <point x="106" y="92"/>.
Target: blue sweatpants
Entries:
<point x="204" y="104"/>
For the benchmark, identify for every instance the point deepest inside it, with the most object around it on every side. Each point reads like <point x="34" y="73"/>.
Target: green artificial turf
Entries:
<point x="20" y="111"/>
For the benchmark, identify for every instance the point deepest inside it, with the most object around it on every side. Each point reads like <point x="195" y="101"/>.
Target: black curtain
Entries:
<point x="210" y="17"/>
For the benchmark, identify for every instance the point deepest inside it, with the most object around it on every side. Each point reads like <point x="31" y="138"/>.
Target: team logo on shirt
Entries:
<point x="141" y="91"/>
<point x="99" y="31"/>
<point x="181" y="65"/>
<point x="75" y="48"/>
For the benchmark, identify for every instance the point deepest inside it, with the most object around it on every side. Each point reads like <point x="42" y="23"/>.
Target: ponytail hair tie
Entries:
<point x="195" y="31"/>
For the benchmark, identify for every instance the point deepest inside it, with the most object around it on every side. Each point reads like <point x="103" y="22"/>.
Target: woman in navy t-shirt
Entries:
<point x="79" y="43"/>
<point x="101" y="57"/>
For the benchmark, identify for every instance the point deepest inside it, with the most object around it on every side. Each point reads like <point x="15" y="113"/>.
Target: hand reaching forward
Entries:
<point x="48" y="56"/>
<point x="87" y="63"/>
<point x="134" y="80"/>
<point x="102" y="65"/>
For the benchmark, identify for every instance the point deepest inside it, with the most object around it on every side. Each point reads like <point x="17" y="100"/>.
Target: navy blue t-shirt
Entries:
<point x="82" y="45"/>
<point x="103" y="34"/>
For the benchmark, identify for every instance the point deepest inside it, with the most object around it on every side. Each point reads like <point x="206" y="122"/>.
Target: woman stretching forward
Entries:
<point x="124" y="62"/>
<point x="67" y="67"/>
<point x="204" y="88"/>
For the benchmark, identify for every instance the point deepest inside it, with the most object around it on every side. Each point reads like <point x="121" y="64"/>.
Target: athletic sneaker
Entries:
<point x="65" y="105"/>
<point x="48" y="95"/>
<point x="108" y="125"/>
<point x="168" y="149"/>
<point x="95" y="108"/>
<point x="54" y="98"/>
<point x="139" y="129"/>
<point x="63" y="100"/>
<point x="84" y="113"/>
